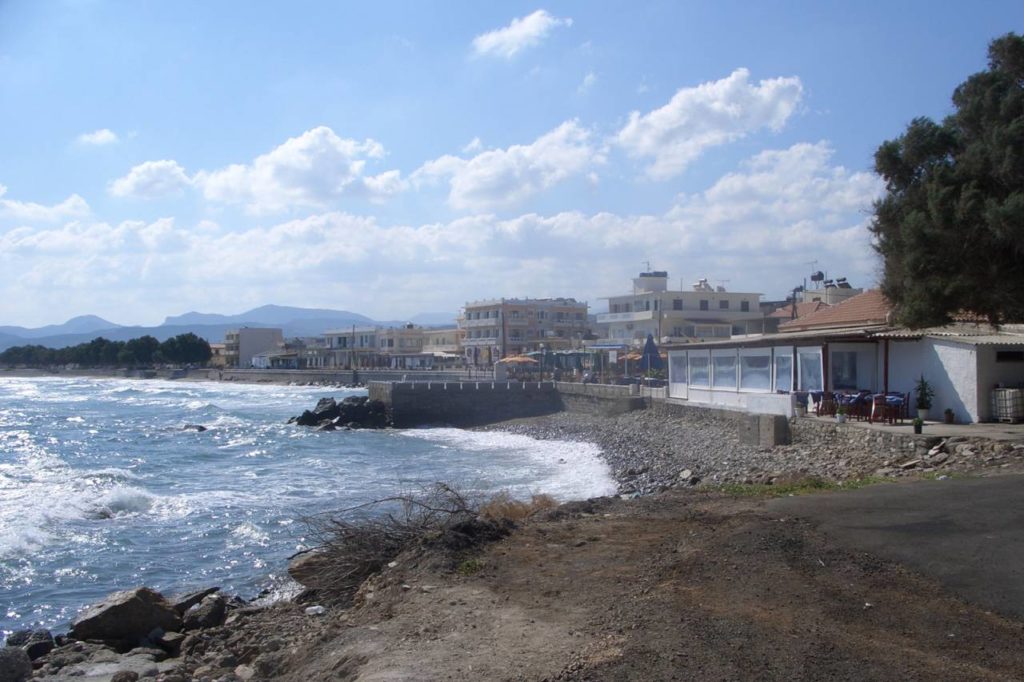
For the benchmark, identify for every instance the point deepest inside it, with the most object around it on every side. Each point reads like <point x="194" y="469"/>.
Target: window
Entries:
<point x="783" y="371"/>
<point x="699" y="374"/>
<point x="677" y="368"/>
<point x="647" y="305"/>
<point x="756" y="371"/>
<point x="615" y="307"/>
<point x="677" y="331"/>
<point x="745" y="306"/>
<point x="677" y="304"/>
<point x="809" y="367"/>
<point x="655" y="304"/>
<point x="724" y="371"/>
<point x="844" y="369"/>
<point x="515" y="314"/>
<point x="703" y="304"/>
<point x="723" y="304"/>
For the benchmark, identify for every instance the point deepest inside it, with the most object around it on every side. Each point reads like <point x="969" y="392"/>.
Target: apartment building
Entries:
<point x="351" y="348"/>
<point x="240" y="345"/>
<point x="498" y="328"/>
<point x="702" y="312"/>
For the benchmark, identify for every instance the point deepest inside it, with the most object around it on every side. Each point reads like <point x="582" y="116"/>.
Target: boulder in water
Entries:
<point x="208" y="613"/>
<point x="36" y="643"/>
<point x="15" y="665"/>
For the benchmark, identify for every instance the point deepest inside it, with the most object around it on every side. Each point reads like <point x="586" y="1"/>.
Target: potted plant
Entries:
<point x="841" y="413"/>
<point x="918" y="424"/>
<point x="948" y="416"/>
<point x="800" y="404"/>
<point x="925" y="393"/>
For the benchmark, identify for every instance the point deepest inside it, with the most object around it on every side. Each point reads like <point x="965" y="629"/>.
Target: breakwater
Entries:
<point x="475" y="403"/>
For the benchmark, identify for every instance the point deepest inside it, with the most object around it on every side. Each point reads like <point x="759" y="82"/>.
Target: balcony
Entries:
<point x="639" y="316"/>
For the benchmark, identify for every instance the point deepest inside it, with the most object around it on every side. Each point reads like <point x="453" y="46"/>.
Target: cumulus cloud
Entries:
<point x="151" y="180"/>
<point x="98" y="138"/>
<point x="501" y="178"/>
<point x="708" y="115"/>
<point x="756" y="226"/>
<point x="522" y="33"/>
<point x="26" y="211"/>
<point x="310" y="170"/>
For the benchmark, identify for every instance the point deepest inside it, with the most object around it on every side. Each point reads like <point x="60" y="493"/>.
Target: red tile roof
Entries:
<point x="802" y="309"/>
<point x="863" y="310"/>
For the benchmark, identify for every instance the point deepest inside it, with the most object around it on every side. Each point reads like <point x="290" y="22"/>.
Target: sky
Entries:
<point x="401" y="158"/>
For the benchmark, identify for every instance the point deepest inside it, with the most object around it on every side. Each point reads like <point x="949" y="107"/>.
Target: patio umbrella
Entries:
<point x="650" y="358"/>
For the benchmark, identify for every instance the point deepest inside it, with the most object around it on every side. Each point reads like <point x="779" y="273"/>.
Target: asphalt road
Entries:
<point x="966" y="533"/>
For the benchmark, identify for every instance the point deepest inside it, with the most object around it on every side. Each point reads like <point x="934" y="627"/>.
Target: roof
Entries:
<point x="962" y="332"/>
<point x="868" y="309"/>
<point x="802" y="310"/>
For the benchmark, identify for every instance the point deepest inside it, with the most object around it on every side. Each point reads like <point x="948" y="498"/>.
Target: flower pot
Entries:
<point x="841" y="418"/>
<point x="922" y="413"/>
<point x="947" y="417"/>
<point x="917" y="428"/>
<point x="801" y="411"/>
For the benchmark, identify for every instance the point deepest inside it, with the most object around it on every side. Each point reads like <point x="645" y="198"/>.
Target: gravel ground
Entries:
<point x="649" y="451"/>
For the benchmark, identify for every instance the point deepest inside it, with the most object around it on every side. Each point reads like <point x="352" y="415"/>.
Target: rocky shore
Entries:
<point x="650" y="452"/>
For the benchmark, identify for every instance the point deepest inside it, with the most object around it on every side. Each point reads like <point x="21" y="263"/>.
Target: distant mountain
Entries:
<point x="82" y="324"/>
<point x="210" y="326"/>
<point x="273" y="315"/>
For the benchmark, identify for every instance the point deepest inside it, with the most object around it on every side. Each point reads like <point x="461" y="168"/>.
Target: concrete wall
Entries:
<point x="329" y="376"/>
<point x="599" y="399"/>
<point x="464" y="403"/>
<point x="950" y="368"/>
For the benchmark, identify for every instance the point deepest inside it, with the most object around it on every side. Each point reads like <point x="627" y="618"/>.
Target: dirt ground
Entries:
<point x="685" y="585"/>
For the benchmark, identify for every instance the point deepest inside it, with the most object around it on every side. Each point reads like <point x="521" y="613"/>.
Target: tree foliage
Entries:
<point x="100" y="352"/>
<point x="950" y="228"/>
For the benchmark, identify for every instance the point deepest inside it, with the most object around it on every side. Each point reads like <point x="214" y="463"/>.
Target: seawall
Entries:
<point x="477" y="403"/>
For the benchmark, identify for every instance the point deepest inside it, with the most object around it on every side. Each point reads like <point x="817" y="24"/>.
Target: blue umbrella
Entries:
<point x="650" y="359"/>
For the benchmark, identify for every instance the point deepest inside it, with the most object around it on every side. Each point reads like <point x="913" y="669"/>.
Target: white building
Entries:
<point x="851" y="347"/>
<point x="702" y="312"/>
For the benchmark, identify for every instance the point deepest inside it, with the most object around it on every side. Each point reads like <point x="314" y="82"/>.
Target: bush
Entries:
<point x="357" y="542"/>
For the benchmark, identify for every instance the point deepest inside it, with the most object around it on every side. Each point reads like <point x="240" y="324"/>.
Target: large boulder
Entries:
<point x="15" y="665"/>
<point x="326" y="408"/>
<point x="127" y="615"/>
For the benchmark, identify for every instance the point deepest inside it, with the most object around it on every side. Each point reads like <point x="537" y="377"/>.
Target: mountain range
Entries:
<point x="210" y="326"/>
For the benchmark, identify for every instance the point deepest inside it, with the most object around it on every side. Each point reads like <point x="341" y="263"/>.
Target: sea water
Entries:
<point x="104" y="485"/>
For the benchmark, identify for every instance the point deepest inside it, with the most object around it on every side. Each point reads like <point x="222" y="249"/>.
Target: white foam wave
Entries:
<point x="565" y="469"/>
<point x="120" y="501"/>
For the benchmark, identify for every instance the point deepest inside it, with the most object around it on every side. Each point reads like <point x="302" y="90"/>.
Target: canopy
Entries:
<point x="518" y="360"/>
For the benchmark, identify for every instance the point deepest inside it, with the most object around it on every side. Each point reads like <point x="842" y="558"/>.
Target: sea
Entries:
<point x="105" y="484"/>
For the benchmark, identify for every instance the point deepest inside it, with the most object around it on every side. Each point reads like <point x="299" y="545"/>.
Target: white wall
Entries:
<point x="950" y="368"/>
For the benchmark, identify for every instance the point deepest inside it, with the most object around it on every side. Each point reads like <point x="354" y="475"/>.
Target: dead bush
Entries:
<point x="503" y="507"/>
<point x="357" y="542"/>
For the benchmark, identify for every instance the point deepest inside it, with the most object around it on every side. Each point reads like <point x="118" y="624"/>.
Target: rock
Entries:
<point x="199" y="428"/>
<point x="304" y="568"/>
<point x="15" y="665"/>
<point x="910" y="464"/>
<point x="326" y="408"/>
<point x="685" y="474"/>
<point x="170" y="642"/>
<point x="184" y="602"/>
<point x="936" y="450"/>
<point x="125" y="676"/>
<point x="316" y="610"/>
<point x="939" y="458"/>
<point x="307" y="418"/>
<point x="208" y="613"/>
<point x="245" y="673"/>
<point x="127" y="615"/>
<point x="326" y="426"/>
<point x="36" y="643"/>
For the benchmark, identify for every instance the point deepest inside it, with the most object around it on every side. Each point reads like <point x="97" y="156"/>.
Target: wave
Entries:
<point x="120" y="501"/>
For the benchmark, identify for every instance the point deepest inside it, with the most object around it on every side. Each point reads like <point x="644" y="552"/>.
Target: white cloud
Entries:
<point x="474" y="146"/>
<point x="756" y="226"/>
<point x="98" y="137"/>
<point x="587" y="83"/>
<point x="708" y="115"/>
<point x="500" y="178"/>
<point x="26" y="211"/>
<point x="312" y="169"/>
<point x="151" y="180"/>
<point x="522" y="33"/>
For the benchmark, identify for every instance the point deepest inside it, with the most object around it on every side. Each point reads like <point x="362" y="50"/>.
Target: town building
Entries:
<point x="351" y="348"/>
<point x="240" y="345"/>
<point x="498" y="328"/>
<point x="702" y="312"/>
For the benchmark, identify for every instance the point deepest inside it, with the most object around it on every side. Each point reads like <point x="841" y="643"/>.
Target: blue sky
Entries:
<point x="407" y="157"/>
